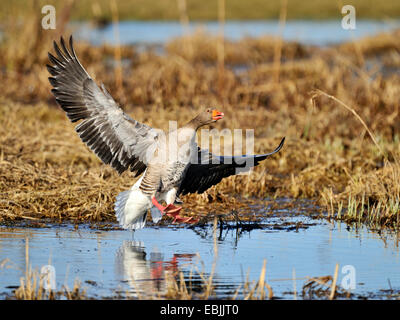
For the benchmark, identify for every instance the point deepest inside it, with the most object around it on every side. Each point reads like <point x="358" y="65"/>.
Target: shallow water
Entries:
<point x="114" y="262"/>
<point x="319" y="33"/>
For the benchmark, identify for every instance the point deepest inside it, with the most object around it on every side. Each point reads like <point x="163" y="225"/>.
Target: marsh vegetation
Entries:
<point x="337" y="106"/>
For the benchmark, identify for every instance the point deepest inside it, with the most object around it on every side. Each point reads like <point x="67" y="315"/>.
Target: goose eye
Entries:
<point x="208" y="110"/>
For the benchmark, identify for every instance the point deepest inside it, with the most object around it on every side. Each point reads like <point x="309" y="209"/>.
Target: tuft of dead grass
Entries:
<point x="33" y="287"/>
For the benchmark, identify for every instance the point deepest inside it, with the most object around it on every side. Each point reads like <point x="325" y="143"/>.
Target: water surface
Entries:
<point x="112" y="263"/>
<point x="319" y="33"/>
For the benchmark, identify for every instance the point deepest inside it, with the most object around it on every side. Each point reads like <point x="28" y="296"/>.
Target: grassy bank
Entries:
<point x="101" y="10"/>
<point x="342" y="142"/>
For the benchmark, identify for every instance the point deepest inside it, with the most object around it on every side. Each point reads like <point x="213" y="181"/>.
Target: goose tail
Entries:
<point x="131" y="209"/>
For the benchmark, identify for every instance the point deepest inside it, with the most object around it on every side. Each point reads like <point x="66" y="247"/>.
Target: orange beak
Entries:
<point x="216" y="115"/>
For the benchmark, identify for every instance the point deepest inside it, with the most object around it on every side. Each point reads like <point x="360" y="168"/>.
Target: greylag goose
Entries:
<point x="170" y="163"/>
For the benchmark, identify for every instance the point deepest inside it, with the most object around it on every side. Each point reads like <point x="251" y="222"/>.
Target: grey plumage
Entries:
<point x="111" y="134"/>
<point x="125" y="143"/>
<point x="210" y="169"/>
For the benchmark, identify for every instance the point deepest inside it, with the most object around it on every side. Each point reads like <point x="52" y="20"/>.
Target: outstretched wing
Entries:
<point x="211" y="169"/>
<point x="111" y="134"/>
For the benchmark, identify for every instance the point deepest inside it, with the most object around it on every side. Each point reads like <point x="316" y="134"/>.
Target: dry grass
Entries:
<point x="32" y="286"/>
<point x="329" y="156"/>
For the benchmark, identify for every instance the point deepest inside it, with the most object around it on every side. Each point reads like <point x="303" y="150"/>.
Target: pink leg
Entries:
<point x="169" y="209"/>
<point x="156" y="203"/>
<point x="172" y="211"/>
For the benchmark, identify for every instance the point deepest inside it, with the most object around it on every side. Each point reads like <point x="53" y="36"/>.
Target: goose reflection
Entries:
<point x="146" y="276"/>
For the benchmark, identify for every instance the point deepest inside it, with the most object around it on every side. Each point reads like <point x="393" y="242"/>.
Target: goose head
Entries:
<point x="208" y="116"/>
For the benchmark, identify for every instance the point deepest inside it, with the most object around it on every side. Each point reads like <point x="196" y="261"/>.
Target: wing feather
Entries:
<point x="111" y="134"/>
<point x="211" y="169"/>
